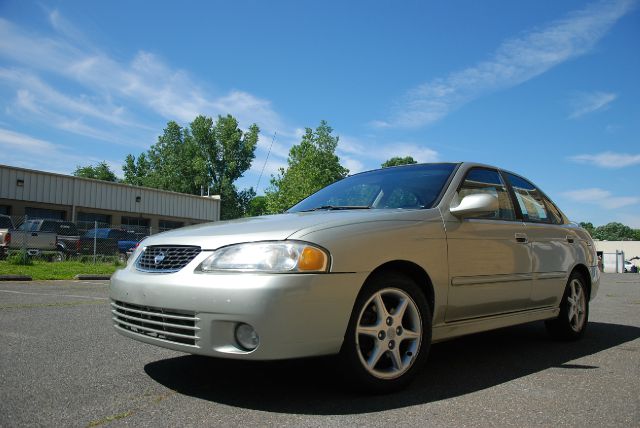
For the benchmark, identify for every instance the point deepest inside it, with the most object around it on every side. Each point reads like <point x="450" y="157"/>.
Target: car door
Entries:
<point x="553" y="244"/>
<point x="489" y="255"/>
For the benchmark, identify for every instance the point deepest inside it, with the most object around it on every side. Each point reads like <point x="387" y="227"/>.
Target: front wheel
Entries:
<point x="389" y="334"/>
<point x="574" y="311"/>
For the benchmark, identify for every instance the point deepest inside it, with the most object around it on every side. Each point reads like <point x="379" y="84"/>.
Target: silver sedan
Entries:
<point x="374" y="268"/>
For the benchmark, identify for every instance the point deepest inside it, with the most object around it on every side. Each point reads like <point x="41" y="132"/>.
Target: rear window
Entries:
<point x="98" y="233"/>
<point x="67" y="229"/>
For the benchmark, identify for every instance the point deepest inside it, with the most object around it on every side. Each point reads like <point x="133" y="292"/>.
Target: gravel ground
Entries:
<point x="61" y="364"/>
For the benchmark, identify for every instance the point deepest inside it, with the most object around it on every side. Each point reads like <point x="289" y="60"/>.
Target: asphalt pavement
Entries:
<point x="62" y="364"/>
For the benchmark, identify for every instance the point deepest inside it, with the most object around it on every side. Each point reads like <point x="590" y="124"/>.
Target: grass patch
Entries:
<point x="41" y="270"/>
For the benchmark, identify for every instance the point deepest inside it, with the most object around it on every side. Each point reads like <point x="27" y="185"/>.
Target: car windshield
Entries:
<point x="410" y="187"/>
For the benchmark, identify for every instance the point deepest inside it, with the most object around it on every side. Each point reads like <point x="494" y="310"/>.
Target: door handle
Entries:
<point x="570" y="239"/>
<point x="522" y="238"/>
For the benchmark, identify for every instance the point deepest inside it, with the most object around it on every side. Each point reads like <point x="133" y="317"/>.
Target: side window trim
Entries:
<point x="512" y="195"/>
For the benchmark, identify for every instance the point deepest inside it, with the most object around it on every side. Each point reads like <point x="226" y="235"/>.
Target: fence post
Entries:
<point x="95" y="238"/>
<point x="24" y="240"/>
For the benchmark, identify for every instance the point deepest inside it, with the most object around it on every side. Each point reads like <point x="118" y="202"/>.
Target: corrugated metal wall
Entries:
<point x="38" y="186"/>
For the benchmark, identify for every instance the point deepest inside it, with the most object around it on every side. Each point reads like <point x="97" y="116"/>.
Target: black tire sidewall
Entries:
<point x="561" y="326"/>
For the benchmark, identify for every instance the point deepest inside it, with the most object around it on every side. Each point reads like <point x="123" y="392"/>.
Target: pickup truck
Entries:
<point x="46" y="235"/>
<point x="108" y="241"/>
<point x="6" y="224"/>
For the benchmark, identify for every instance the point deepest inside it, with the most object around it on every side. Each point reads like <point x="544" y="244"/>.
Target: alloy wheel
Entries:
<point x="388" y="333"/>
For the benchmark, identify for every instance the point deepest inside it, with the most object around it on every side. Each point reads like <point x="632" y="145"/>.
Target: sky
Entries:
<point x="546" y="89"/>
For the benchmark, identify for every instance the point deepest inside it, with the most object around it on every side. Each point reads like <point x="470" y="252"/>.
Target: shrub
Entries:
<point x="20" y="258"/>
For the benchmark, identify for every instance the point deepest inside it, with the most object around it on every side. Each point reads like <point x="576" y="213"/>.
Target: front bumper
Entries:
<point x="295" y="315"/>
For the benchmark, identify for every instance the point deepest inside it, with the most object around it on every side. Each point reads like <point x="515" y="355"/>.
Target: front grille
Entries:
<point x="166" y="324"/>
<point x="166" y="259"/>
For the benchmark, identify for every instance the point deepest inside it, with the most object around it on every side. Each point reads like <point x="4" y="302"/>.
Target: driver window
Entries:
<point x="480" y="180"/>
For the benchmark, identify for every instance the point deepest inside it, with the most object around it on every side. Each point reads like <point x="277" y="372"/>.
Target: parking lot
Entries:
<point x="62" y="364"/>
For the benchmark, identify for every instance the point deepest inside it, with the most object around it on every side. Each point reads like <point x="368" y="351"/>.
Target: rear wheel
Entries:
<point x="389" y="334"/>
<point x="574" y="311"/>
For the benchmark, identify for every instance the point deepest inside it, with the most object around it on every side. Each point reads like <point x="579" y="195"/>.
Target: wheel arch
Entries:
<point x="415" y="272"/>
<point x="584" y="272"/>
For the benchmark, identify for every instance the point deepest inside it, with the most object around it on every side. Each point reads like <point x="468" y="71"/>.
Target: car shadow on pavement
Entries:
<point x="454" y="368"/>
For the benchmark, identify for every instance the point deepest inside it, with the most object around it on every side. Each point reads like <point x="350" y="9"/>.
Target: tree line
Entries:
<point x="613" y="231"/>
<point x="209" y="157"/>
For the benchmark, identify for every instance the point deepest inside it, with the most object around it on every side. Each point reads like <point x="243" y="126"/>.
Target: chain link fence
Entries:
<point x="24" y="238"/>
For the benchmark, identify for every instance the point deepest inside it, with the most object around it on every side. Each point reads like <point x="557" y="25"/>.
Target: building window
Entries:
<point x="138" y="225"/>
<point x="5" y="209"/>
<point x="169" y="225"/>
<point x="87" y="221"/>
<point x="44" y="213"/>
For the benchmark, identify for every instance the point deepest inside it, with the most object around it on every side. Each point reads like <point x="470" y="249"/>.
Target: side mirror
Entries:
<point x="479" y="203"/>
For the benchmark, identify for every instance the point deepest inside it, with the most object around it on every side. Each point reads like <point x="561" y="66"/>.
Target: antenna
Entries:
<point x="265" y="161"/>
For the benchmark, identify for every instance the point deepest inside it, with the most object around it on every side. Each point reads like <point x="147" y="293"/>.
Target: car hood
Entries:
<point x="274" y="227"/>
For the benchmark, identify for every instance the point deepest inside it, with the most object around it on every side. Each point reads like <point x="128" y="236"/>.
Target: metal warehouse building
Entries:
<point x="39" y="194"/>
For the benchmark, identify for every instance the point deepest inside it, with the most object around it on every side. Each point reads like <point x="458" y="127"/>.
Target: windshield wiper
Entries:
<point x="338" y="207"/>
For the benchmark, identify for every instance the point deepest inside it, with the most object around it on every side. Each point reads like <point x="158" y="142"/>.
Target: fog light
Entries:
<point x="247" y="337"/>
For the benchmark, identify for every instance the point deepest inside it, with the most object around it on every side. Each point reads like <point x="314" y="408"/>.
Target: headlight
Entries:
<point x="286" y="256"/>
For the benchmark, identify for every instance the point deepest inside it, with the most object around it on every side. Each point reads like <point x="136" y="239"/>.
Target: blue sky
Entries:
<point x="547" y="89"/>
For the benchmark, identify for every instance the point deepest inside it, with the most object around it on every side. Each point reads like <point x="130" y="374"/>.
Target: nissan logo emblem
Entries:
<point x="159" y="258"/>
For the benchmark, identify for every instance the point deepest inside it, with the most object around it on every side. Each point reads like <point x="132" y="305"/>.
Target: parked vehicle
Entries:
<point x="30" y="236"/>
<point x="108" y="241"/>
<point x="37" y="235"/>
<point x="6" y="225"/>
<point x="374" y="268"/>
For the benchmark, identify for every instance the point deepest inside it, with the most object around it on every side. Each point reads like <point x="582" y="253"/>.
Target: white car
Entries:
<point x="374" y="267"/>
<point x="628" y="266"/>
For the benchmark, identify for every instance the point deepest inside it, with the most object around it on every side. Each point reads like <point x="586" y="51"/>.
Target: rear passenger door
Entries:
<point x="552" y="242"/>
<point x="489" y="256"/>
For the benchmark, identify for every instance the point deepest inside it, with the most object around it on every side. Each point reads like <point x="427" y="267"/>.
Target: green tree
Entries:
<point x="204" y="155"/>
<point x="588" y="227"/>
<point x="99" y="172"/>
<point x="257" y="206"/>
<point x="312" y="164"/>
<point x="396" y="161"/>
<point x="614" y="232"/>
<point x="136" y="171"/>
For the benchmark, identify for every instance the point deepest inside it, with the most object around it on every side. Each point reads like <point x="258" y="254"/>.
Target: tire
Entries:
<point x="572" y="321"/>
<point x="383" y="353"/>
<point x="59" y="256"/>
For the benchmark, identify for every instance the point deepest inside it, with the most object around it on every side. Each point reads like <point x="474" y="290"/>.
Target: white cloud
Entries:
<point x="608" y="159"/>
<point x="30" y="152"/>
<point x="11" y="141"/>
<point x="353" y="165"/>
<point x="602" y="198"/>
<point x="145" y="83"/>
<point x="591" y="102"/>
<point x="515" y="61"/>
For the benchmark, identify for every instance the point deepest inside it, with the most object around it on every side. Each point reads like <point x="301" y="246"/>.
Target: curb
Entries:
<point x="15" y="278"/>
<point x="92" y="277"/>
